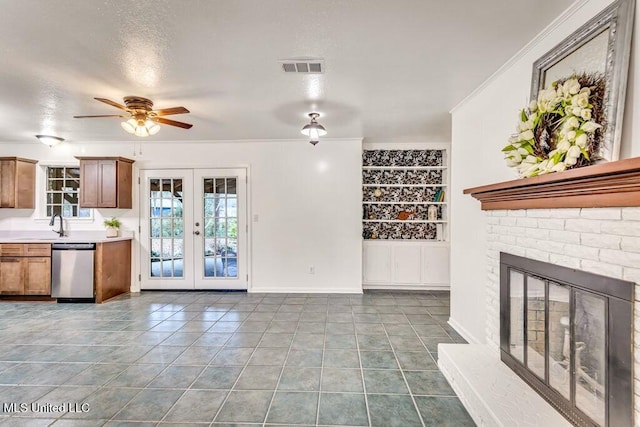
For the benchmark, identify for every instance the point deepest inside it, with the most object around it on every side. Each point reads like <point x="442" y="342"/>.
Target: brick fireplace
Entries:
<point x="586" y="219"/>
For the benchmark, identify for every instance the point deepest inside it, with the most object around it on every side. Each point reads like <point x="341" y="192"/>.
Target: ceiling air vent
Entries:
<point x="306" y="66"/>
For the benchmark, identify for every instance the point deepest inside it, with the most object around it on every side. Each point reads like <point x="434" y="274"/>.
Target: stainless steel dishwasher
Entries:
<point x="72" y="271"/>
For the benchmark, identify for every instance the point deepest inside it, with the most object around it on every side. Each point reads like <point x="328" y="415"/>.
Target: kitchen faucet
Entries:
<point x="53" y="219"/>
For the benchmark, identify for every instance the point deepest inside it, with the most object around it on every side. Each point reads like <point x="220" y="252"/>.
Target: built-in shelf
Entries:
<point x="415" y="221"/>
<point x="611" y="184"/>
<point x="404" y="203"/>
<point x="404" y="185"/>
<point x="406" y="167"/>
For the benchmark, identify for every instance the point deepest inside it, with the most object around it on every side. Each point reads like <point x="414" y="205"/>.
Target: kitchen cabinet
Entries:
<point x="405" y="265"/>
<point x="112" y="269"/>
<point x="106" y="182"/>
<point x="17" y="183"/>
<point x="25" y="269"/>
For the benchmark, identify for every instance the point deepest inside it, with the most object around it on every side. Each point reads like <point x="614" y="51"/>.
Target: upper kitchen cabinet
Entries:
<point x="105" y="182"/>
<point x="17" y="183"/>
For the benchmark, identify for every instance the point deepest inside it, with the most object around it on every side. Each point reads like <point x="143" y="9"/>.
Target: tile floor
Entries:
<point x="172" y="358"/>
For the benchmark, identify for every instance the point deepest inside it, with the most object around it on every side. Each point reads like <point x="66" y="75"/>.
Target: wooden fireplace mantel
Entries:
<point x="612" y="184"/>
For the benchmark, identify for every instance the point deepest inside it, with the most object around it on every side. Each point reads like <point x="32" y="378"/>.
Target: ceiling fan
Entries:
<point x="142" y="119"/>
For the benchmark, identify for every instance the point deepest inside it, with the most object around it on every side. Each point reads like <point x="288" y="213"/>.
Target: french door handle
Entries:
<point x="197" y="233"/>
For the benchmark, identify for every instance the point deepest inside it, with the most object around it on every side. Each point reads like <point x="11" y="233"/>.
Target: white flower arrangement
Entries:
<point x="560" y="129"/>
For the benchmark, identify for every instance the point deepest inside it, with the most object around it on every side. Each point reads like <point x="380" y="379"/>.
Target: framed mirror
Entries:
<point x="602" y="45"/>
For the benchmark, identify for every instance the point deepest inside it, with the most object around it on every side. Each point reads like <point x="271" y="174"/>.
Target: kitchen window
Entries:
<point x="63" y="192"/>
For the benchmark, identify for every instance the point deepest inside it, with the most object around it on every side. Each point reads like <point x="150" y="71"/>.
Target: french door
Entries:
<point x="193" y="229"/>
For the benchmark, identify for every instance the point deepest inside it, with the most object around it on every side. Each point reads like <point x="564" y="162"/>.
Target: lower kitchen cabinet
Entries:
<point x="25" y="269"/>
<point x="112" y="269"/>
<point x="405" y="265"/>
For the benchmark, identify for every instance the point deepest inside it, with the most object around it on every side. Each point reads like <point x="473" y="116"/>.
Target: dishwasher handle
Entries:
<point x="73" y="246"/>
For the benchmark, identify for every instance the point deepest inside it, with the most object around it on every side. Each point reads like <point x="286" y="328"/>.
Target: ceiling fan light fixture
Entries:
<point x="152" y="127"/>
<point x="49" y="140"/>
<point x="313" y="129"/>
<point x="129" y="126"/>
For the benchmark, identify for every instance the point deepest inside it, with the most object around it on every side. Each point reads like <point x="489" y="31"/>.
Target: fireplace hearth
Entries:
<point x="568" y="334"/>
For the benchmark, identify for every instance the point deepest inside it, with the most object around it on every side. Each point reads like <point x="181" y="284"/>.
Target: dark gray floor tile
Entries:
<point x="370" y="329"/>
<point x="432" y="343"/>
<point x="430" y="331"/>
<point x="320" y="316"/>
<point x="378" y="360"/>
<point x="176" y="376"/>
<point x="269" y="356"/>
<point x="406" y="342"/>
<point x="293" y="408"/>
<point x="276" y="340"/>
<point x="149" y="405"/>
<point x="244" y="339"/>
<point x="305" y="358"/>
<point x="340" y="341"/>
<point x="393" y="411"/>
<point x="196" y="406"/>
<point x="162" y="354"/>
<point x="341" y="358"/>
<point x="430" y="383"/>
<point x="394" y="329"/>
<point x="245" y="407"/>
<point x="282" y="326"/>
<point x="342" y="409"/>
<point x="105" y="403"/>
<point x="305" y="341"/>
<point x="232" y="357"/>
<point x="311" y="327"/>
<point x="182" y="338"/>
<point x="258" y="378"/>
<point x="28" y="422"/>
<point x="416" y="360"/>
<point x="384" y="381"/>
<point x="197" y="356"/>
<point x="213" y="339"/>
<point x="215" y="377"/>
<point x="338" y="328"/>
<point x="341" y="380"/>
<point x="136" y="376"/>
<point x="96" y="375"/>
<point x="300" y="379"/>
<point x="443" y="412"/>
<point x="373" y="342"/>
<point x="249" y="326"/>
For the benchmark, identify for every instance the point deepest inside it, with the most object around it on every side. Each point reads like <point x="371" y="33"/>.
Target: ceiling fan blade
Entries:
<point x="101" y="115"/>
<point x="112" y="103"/>
<point x="171" y="122"/>
<point x="169" y="111"/>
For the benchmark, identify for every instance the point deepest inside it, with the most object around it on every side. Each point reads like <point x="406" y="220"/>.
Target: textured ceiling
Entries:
<point x="393" y="68"/>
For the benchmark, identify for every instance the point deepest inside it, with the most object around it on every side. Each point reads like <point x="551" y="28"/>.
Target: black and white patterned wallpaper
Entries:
<point x="402" y="158"/>
<point x="383" y="202"/>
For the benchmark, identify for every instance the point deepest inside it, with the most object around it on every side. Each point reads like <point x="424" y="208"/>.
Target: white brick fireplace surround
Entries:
<point x="604" y="241"/>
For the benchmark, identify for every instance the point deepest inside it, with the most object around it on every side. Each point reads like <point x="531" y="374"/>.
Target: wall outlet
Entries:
<point x="312" y="269"/>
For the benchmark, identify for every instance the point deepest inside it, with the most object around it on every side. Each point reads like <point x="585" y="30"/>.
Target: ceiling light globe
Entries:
<point x="49" y="140"/>
<point x="153" y="128"/>
<point x="129" y="126"/>
<point x="141" y="131"/>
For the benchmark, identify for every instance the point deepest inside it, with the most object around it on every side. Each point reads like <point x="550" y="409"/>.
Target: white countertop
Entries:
<point x="52" y="237"/>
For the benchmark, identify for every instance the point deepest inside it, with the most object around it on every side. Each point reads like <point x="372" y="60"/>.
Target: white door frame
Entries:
<point x="192" y="249"/>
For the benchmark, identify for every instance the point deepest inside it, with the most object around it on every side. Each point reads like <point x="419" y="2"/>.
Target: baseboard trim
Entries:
<point x="463" y="332"/>
<point x="305" y="290"/>
<point x="389" y="287"/>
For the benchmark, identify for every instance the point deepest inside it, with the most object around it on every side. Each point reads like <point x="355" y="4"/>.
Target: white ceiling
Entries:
<point x="394" y="68"/>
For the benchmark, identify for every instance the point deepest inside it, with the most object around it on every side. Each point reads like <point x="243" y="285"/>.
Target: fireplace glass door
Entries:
<point x="567" y="337"/>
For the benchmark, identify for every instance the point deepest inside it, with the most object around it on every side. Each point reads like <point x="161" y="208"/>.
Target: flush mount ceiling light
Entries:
<point x="49" y="140"/>
<point x="313" y="129"/>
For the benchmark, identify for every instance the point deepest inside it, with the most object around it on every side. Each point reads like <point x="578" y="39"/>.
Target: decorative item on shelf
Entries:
<point x="113" y="226"/>
<point x="560" y="130"/>
<point x="439" y="196"/>
<point x="404" y="215"/>
<point x="372" y="216"/>
<point x="432" y="213"/>
<point x="377" y="192"/>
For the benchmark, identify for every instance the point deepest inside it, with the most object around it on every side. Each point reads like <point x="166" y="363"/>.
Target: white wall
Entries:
<point x="307" y="199"/>
<point x="481" y="125"/>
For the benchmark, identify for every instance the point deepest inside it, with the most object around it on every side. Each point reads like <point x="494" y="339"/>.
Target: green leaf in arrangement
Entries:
<point x="508" y="148"/>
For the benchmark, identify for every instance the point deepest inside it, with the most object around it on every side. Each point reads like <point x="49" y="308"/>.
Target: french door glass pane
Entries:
<point x="559" y="339"/>
<point x="220" y="227"/>
<point x="166" y="227"/>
